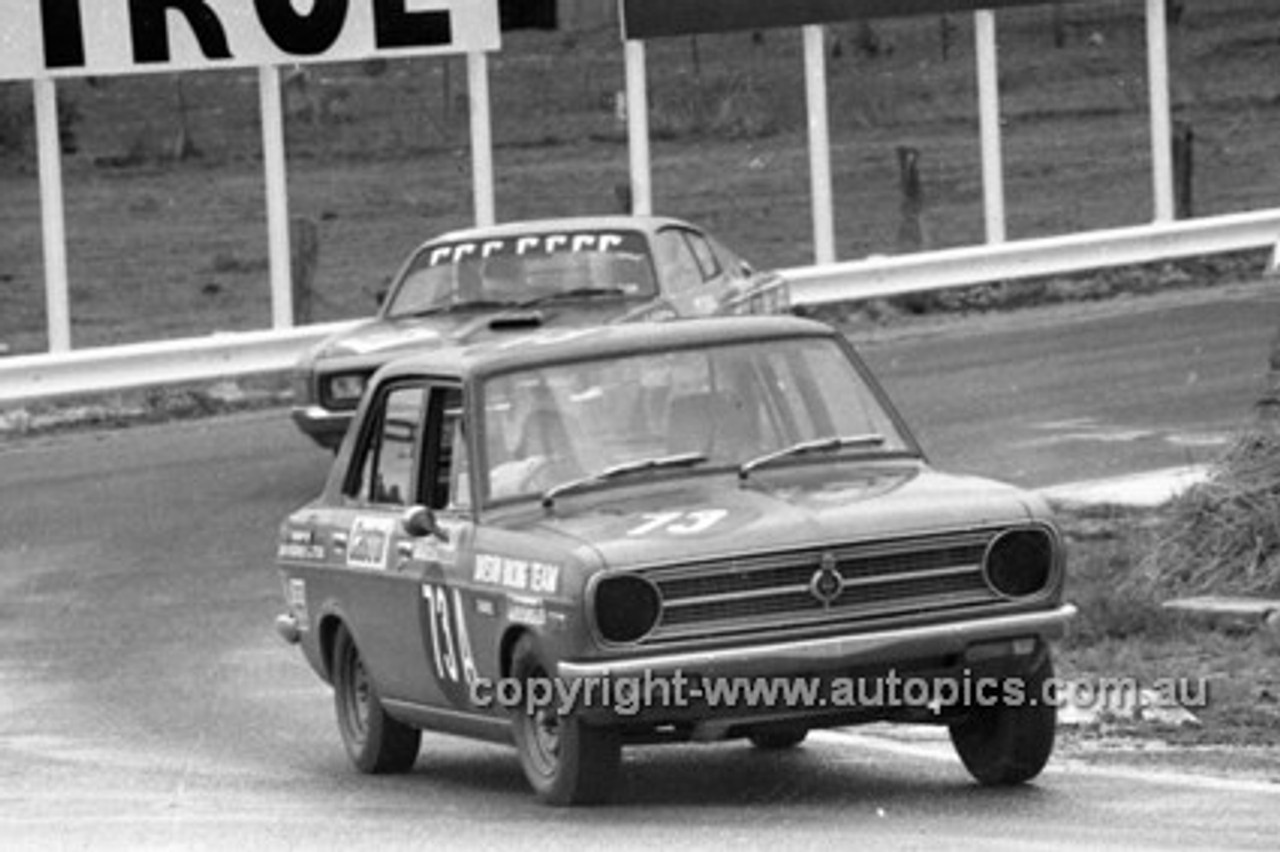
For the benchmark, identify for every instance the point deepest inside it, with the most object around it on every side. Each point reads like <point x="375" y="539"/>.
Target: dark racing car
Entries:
<point x="468" y="285"/>
<point x="585" y="539"/>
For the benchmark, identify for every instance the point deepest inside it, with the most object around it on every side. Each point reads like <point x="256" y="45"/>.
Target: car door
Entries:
<point x="452" y="636"/>
<point x="379" y="590"/>
<point x="688" y="281"/>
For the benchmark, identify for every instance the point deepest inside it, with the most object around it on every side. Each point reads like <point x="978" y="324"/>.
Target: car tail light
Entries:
<point x="627" y="607"/>
<point x="1019" y="563"/>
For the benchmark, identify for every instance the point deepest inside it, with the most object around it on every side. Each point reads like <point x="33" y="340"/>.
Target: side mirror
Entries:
<point x="420" y="522"/>
<point x="381" y="296"/>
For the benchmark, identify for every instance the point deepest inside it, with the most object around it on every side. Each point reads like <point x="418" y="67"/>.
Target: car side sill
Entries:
<point x="497" y="730"/>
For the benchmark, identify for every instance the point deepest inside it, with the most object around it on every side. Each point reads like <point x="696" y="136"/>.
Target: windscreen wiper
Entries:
<point x="623" y="469"/>
<point x="817" y="445"/>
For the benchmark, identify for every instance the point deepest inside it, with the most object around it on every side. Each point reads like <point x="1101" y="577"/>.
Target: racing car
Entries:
<point x="582" y="540"/>
<point x="467" y="285"/>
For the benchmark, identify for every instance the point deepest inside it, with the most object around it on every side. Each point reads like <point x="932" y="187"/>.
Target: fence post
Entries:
<point x="1184" y="169"/>
<point x="911" y="235"/>
<point x="305" y="253"/>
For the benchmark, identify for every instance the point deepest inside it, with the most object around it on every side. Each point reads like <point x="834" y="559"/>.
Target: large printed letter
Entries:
<point x="63" y="33"/>
<point x="396" y="26"/>
<point x="151" y="34"/>
<point x="303" y="35"/>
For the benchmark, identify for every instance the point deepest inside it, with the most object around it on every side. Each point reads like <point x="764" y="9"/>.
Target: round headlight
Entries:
<point x="1019" y="563"/>
<point x="627" y="607"/>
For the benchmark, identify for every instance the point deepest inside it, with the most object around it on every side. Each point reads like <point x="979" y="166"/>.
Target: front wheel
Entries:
<point x="1009" y="742"/>
<point x="566" y="761"/>
<point x="777" y="736"/>
<point x="376" y="743"/>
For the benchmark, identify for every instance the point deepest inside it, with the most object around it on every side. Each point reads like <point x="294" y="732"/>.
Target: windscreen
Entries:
<point x="722" y="405"/>
<point x="523" y="269"/>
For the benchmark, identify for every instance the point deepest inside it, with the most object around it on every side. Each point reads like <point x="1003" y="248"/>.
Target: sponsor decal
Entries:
<point x="527" y="611"/>
<point x="521" y="575"/>
<point x="300" y="545"/>
<point x="296" y="595"/>
<point x="369" y="543"/>
<point x="534" y="244"/>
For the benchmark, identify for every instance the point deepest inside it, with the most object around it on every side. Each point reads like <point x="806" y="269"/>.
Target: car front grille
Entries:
<point x="775" y="593"/>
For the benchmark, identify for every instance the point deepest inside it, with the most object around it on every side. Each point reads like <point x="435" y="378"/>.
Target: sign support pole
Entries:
<point x="53" y="215"/>
<point x="481" y="137"/>
<point x="984" y="27"/>
<point x="815" y="76"/>
<point x="638" y="129"/>
<point x="273" y="158"/>
<point x="1161" y="118"/>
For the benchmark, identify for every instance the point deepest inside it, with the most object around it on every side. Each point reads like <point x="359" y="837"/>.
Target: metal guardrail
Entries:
<point x="225" y="355"/>
<point x="217" y="356"/>
<point x="880" y="277"/>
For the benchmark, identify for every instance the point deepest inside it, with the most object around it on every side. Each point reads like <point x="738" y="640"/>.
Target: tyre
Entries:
<point x="566" y="761"/>
<point x="376" y="743"/>
<point x="777" y="736"/>
<point x="1008" y="743"/>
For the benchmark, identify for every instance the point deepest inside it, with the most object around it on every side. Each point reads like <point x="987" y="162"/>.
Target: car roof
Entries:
<point x="647" y="224"/>
<point x="542" y="347"/>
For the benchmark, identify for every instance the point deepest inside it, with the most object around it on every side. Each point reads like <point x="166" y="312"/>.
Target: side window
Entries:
<point x="448" y="464"/>
<point x="708" y="263"/>
<point x="679" y="267"/>
<point x="389" y="452"/>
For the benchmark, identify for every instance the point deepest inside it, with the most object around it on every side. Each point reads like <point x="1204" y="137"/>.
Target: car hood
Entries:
<point x="379" y="338"/>
<point x="711" y="516"/>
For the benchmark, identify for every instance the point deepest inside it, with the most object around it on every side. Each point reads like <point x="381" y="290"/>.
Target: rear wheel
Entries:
<point x="375" y="742"/>
<point x="566" y="761"/>
<point x="1008" y="743"/>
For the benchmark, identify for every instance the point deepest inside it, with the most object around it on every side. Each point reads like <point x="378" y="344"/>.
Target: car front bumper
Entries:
<point x="323" y="426"/>
<point x="884" y="647"/>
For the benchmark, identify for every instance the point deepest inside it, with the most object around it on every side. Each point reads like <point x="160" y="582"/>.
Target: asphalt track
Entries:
<point x="146" y="703"/>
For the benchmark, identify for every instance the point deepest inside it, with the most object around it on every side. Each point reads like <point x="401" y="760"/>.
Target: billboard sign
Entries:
<point x="643" y="19"/>
<point x="61" y="38"/>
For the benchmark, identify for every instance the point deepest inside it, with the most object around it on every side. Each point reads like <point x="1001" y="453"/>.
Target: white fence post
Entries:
<point x="1161" y="118"/>
<point x="815" y="77"/>
<point x="53" y="215"/>
<point x="984" y="27"/>
<point x="481" y="137"/>
<point x="638" y="129"/>
<point x="277" y="182"/>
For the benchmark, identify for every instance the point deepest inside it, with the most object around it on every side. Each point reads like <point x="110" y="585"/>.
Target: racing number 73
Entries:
<point x="679" y="523"/>
<point x="453" y="659"/>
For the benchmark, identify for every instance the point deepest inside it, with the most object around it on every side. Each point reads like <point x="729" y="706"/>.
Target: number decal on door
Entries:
<point x="679" y="523"/>
<point x="453" y="659"/>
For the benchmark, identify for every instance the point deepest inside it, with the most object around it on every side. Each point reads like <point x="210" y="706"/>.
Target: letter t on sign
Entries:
<point x="151" y="33"/>
<point x="396" y="26"/>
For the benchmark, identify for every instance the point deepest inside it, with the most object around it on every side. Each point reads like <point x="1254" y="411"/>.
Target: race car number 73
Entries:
<point x="679" y="523"/>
